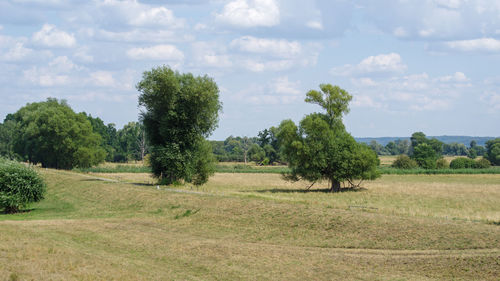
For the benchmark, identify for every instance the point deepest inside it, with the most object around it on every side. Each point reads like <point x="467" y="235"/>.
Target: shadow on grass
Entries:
<point x="3" y="213"/>
<point x="316" y="190"/>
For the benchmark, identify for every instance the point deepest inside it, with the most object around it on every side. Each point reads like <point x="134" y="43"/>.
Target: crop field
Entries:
<point x="255" y="226"/>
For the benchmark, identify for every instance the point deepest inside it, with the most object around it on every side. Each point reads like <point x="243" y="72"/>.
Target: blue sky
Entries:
<point x="427" y="65"/>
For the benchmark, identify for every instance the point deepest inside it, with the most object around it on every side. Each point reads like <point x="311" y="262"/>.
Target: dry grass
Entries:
<point x="253" y="227"/>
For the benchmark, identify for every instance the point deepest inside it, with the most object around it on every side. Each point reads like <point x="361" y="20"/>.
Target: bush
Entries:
<point x="404" y="162"/>
<point x="19" y="186"/>
<point x="462" y="163"/>
<point x="482" y="163"/>
<point x="442" y="164"/>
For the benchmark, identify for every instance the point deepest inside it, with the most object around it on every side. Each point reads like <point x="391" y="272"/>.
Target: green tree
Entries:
<point x="320" y="148"/>
<point x="179" y="112"/>
<point x="52" y="134"/>
<point x="493" y="151"/>
<point x="426" y="156"/>
<point x="8" y="131"/>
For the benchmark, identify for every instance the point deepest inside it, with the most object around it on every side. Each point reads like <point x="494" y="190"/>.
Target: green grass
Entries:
<point x="256" y="226"/>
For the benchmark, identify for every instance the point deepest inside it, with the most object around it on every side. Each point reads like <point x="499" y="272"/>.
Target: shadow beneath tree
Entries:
<point x="316" y="190"/>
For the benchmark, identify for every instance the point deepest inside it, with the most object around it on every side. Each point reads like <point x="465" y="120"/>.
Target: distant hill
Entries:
<point x="446" y="139"/>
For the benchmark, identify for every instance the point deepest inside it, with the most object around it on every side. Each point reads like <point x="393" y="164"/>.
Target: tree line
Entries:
<point x="52" y="134"/>
<point x="179" y="111"/>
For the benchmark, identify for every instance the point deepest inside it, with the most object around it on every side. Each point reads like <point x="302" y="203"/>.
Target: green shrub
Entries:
<point x="482" y="163"/>
<point x="404" y="162"/>
<point x="462" y="163"/>
<point x="19" y="186"/>
<point x="442" y="164"/>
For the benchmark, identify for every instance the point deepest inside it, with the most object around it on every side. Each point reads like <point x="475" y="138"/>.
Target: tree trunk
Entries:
<point x="335" y="186"/>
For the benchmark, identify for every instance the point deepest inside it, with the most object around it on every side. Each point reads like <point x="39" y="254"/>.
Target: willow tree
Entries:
<point x="179" y="112"/>
<point x="320" y="148"/>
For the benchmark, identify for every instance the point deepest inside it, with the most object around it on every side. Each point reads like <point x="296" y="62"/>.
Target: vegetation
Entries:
<point x="180" y="110"/>
<point x="19" y="186"/>
<point x="52" y="134"/>
<point x="404" y="162"/>
<point x="493" y="151"/>
<point x="320" y="148"/>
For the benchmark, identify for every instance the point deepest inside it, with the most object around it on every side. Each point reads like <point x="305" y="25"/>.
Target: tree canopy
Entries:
<point x="179" y="112"/>
<point x="52" y="134"/>
<point x="320" y="147"/>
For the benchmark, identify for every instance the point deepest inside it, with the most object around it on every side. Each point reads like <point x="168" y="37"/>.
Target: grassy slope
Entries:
<point x="248" y="226"/>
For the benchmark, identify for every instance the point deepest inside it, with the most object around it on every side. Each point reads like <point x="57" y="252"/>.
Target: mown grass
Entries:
<point x="256" y="226"/>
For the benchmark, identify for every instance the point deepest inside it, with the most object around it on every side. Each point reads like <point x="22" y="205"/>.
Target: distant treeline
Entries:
<point x="466" y="140"/>
<point x="264" y="149"/>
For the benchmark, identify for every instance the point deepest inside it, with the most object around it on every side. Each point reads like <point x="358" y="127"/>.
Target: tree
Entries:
<point x="179" y="112"/>
<point x="493" y="151"/>
<point x="8" y="131"/>
<point x="426" y="156"/>
<point x="52" y="134"/>
<point x="320" y="148"/>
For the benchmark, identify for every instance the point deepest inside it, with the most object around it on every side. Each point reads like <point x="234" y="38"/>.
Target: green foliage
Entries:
<point x="462" y="163"/>
<point x="441" y="163"/>
<point x="404" y="162"/>
<point x="482" y="163"/>
<point x="425" y="156"/>
<point x="8" y="131"/>
<point x="493" y="151"/>
<point x="19" y="186"/>
<point x="179" y="111"/>
<point x="52" y="134"/>
<point x="320" y="148"/>
<point x="398" y="147"/>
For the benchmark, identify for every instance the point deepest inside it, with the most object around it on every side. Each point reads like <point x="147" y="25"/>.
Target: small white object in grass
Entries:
<point x="158" y="187"/>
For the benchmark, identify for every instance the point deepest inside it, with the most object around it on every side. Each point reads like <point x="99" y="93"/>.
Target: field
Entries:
<point x="247" y="226"/>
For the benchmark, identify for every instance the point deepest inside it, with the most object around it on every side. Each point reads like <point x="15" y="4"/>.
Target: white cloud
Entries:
<point x="492" y="101"/>
<point x="277" y="92"/>
<point x="58" y="73"/>
<point x="158" y="52"/>
<point x="250" y="13"/>
<point x="384" y="63"/>
<point x="275" y="47"/>
<point x="45" y="78"/>
<point x="457" y="77"/>
<point x="158" y="16"/>
<point x="443" y="20"/>
<point x="314" y="24"/>
<point x="475" y="45"/>
<point x="102" y="78"/>
<point x="82" y="55"/>
<point x="283" y="86"/>
<point x="62" y="64"/>
<point x="16" y="53"/>
<point x="211" y="54"/>
<point x="143" y="35"/>
<point x="50" y="36"/>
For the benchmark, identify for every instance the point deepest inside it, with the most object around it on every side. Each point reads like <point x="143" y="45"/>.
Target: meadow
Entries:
<point x="255" y="226"/>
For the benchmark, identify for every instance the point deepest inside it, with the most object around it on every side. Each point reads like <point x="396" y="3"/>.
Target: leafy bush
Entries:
<point x="442" y="164"/>
<point x="462" y="163"/>
<point x="19" y="186"/>
<point x="404" y="162"/>
<point x="482" y="163"/>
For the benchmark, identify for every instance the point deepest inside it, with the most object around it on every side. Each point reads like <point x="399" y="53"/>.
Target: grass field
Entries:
<point x="118" y="226"/>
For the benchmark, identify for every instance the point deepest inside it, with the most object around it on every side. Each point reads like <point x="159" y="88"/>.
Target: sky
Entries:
<point x="410" y="65"/>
